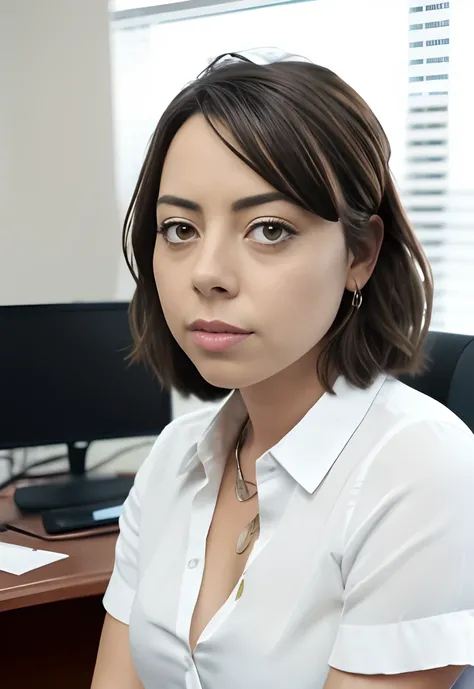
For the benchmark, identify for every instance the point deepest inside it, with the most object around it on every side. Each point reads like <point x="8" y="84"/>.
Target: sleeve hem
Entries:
<point x="118" y="598"/>
<point x="408" y="646"/>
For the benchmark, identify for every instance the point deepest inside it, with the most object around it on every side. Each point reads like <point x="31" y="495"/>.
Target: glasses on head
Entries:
<point x="257" y="56"/>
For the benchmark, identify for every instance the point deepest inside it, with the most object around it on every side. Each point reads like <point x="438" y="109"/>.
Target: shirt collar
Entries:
<point x="219" y="436"/>
<point x="310" y="449"/>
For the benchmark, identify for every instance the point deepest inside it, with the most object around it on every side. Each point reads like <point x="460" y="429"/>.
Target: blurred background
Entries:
<point x="83" y="83"/>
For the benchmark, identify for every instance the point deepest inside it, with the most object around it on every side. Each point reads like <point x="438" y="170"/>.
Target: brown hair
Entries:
<point x="312" y="137"/>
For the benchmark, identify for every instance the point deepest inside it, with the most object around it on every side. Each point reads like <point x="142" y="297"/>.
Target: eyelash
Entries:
<point x="281" y="224"/>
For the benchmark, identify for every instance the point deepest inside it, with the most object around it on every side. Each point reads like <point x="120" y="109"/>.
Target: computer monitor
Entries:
<point x="66" y="377"/>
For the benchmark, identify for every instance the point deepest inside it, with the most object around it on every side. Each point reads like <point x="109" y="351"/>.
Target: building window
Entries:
<point x="419" y="8"/>
<point x="438" y="41"/>
<point x="427" y="175"/>
<point x="436" y="77"/>
<point x="412" y="79"/>
<point x="430" y="226"/>
<point x="426" y="209"/>
<point x="435" y="25"/>
<point x="430" y="108"/>
<point x="427" y="159"/>
<point x="428" y="192"/>
<point x="428" y="125"/>
<point x="416" y="27"/>
<point x="428" y="142"/>
<point x="431" y="60"/>
<point x="437" y="6"/>
<point x="417" y="61"/>
<point x="416" y="44"/>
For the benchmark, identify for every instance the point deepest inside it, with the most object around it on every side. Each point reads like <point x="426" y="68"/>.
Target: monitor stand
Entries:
<point x="78" y="489"/>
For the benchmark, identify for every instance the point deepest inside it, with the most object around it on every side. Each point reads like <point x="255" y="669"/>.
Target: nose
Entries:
<point x="214" y="272"/>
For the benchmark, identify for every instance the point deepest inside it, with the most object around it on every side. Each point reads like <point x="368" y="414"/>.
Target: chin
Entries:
<point x="227" y="375"/>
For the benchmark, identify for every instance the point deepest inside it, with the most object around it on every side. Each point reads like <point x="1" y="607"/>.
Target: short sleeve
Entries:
<point x="408" y="560"/>
<point x="120" y="593"/>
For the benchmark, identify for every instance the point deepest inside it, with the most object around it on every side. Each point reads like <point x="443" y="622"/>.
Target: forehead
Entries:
<point x="198" y="164"/>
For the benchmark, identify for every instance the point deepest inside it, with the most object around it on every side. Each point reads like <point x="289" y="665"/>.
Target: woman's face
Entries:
<point x="264" y="266"/>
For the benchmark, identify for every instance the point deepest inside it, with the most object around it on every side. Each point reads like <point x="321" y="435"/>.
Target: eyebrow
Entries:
<point x="239" y="205"/>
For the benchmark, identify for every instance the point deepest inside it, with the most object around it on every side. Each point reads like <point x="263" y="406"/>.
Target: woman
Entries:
<point x="316" y="531"/>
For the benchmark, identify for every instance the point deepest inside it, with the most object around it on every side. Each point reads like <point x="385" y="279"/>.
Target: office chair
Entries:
<point x="449" y="377"/>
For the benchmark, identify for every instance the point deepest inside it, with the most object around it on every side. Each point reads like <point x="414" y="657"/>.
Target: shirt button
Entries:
<point x="192" y="564"/>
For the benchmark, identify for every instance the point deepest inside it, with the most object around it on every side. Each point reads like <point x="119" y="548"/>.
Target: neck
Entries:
<point x="277" y="404"/>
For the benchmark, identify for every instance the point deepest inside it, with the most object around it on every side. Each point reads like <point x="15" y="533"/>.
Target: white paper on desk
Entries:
<point x="16" y="559"/>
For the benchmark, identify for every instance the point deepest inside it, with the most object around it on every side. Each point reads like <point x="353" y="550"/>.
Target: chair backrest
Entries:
<point x="449" y="377"/>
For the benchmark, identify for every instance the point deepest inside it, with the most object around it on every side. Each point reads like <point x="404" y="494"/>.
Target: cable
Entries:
<point x="24" y="474"/>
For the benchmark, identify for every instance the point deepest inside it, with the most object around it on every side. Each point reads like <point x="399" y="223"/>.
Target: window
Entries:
<point x="427" y="159"/>
<point x="437" y="41"/>
<point x="428" y="192"/>
<point x="428" y="142"/>
<point x="426" y="209"/>
<point x="427" y="175"/>
<point x="412" y="79"/>
<point x="431" y="60"/>
<point x="437" y="6"/>
<point x="437" y="25"/>
<point x="430" y="108"/>
<point x="428" y="125"/>
<point x="436" y="77"/>
<point x="146" y="47"/>
<point x="430" y="226"/>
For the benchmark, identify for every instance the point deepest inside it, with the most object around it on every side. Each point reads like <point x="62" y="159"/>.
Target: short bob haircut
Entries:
<point x="312" y="137"/>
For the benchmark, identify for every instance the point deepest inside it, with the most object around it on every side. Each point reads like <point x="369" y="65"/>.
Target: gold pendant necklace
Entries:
<point x="244" y="490"/>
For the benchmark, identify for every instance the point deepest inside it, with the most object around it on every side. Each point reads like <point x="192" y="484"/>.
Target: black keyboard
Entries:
<point x="74" y="493"/>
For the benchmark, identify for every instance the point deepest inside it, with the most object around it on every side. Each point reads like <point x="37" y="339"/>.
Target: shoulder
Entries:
<point x="405" y="417"/>
<point x="418" y="448"/>
<point x="412" y="406"/>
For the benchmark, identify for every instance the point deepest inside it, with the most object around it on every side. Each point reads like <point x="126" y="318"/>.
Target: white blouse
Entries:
<point x="365" y="559"/>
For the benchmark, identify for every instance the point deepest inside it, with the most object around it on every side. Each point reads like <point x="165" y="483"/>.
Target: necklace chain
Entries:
<point x="244" y="490"/>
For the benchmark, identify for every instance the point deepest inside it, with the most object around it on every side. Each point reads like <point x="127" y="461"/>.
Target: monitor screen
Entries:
<point x="65" y="377"/>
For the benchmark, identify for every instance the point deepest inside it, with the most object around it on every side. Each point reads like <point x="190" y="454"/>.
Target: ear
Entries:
<point x="361" y="268"/>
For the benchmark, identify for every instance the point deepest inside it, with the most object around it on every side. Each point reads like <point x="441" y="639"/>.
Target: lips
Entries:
<point x="217" y="336"/>
<point x="218" y="327"/>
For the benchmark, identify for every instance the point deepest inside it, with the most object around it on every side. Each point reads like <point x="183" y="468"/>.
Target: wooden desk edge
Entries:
<point x="65" y="589"/>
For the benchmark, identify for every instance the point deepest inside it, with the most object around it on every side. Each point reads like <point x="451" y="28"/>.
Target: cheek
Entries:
<point x="166" y="286"/>
<point x="314" y="285"/>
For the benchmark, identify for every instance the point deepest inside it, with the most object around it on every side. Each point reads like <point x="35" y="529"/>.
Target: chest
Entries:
<point x="188" y="620"/>
<point x="223" y="565"/>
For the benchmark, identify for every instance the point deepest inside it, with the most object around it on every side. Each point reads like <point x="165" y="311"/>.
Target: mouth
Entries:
<point x="217" y="336"/>
<point x="218" y="327"/>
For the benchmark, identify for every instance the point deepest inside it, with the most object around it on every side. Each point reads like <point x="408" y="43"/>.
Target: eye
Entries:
<point x="176" y="232"/>
<point x="272" y="231"/>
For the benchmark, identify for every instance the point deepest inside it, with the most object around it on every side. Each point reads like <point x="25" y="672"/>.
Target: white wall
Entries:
<point x="59" y="223"/>
<point x="60" y="226"/>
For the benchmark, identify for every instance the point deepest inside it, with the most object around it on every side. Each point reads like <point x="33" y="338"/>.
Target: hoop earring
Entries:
<point x="357" y="298"/>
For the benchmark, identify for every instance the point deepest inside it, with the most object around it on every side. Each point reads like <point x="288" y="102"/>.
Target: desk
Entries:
<point x="51" y="618"/>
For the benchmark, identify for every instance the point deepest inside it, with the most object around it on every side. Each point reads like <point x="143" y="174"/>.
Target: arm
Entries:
<point x="408" y="565"/>
<point x="440" y="678"/>
<point x="114" y="667"/>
